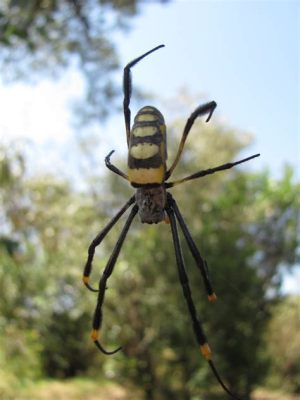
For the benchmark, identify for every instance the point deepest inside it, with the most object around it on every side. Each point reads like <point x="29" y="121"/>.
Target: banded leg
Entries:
<point x="207" y="108"/>
<point x="200" y="336"/>
<point x="127" y="87"/>
<point x="112" y="168"/>
<point x="209" y="171"/>
<point x="97" y="321"/>
<point x="98" y="239"/>
<point x="200" y="262"/>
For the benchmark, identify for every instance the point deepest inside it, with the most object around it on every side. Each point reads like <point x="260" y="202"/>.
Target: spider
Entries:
<point x="149" y="175"/>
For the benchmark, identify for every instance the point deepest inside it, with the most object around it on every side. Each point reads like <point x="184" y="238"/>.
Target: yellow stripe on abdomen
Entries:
<point x="145" y="118"/>
<point x="144" y="176"/>
<point x="143" y="151"/>
<point x="142" y="131"/>
<point x="147" y="148"/>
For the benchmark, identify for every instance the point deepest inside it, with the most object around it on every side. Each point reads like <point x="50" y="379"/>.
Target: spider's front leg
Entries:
<point x="98" y="239"/>
<point x="197" y="326"/>
<point x="200" y="262"/>
<point x="200" y="336"/>
<point x="97" y="321"/>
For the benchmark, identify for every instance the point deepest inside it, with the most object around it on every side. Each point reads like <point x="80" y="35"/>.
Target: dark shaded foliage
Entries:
<point x="46" y="37"/>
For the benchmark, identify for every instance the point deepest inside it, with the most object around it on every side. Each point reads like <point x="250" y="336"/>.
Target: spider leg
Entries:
<point x="98" y="239"/>
<point x="112" y="168"/>
<point x="127" y="88"/>
<point x="207" y="108"/>
<point x="97" y="320"/>
<point x="200" y="336"/>
<point x="209" y="171"/>
<point x="200" y="262"/>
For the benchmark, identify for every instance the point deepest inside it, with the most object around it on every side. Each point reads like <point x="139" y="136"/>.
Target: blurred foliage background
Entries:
<point x="246" y="224"/>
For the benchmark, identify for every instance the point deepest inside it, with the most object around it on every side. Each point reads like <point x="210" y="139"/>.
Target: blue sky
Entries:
<point x="242" y="54"/>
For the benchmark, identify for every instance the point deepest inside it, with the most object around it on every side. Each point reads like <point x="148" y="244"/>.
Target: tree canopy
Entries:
<point x="48" y="36"/>
<point x="244" y="223"/>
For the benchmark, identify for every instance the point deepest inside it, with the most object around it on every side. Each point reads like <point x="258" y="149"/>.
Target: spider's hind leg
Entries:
<point x="207" y="108"/>
<point x="127" y="88"/>
<point x="113" y="168"/>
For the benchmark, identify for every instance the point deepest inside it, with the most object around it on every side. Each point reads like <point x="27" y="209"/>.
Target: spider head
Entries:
<point x="151" y="203"/>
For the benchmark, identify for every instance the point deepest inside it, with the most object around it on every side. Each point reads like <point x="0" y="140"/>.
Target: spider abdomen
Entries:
<point x="147" y="148"/>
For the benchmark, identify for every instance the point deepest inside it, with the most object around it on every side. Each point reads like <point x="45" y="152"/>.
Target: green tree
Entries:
<point x="39" y="275"/>
<point x="47" y="36"/>
<point x="246" y="226"/>
<point x="283" y="339"/>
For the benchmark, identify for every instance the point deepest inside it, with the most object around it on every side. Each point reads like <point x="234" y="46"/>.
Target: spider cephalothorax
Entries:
<point x="151" y="203"/>
<point x="148" y="173"/>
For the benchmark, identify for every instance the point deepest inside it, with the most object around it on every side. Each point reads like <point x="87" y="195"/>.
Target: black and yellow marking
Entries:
<point x="95" y="335"/>
<point x="212" y="297"/>
<point x="147" y="155"/>
<point x="206" y="351"/>
<point x="147" y="148"/>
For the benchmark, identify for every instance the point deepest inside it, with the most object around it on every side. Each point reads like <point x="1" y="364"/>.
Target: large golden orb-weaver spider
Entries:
<point x="148" y="173"/>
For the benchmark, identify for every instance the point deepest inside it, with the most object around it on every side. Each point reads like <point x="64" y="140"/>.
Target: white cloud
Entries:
<point x="38" y="112"/>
